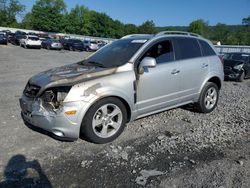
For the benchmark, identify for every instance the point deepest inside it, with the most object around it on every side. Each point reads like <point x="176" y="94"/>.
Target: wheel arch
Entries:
<point x="216" y="80"/>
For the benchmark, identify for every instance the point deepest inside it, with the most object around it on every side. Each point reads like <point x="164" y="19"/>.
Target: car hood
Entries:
<point x="232" y="63"/>
<point x="68" y="75"/>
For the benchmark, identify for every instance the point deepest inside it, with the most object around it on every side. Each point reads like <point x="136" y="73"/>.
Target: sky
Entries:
<point x="166" y="12"/>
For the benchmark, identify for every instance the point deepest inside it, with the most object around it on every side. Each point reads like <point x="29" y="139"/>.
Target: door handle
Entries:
<point x="175" y="71"/>
<point x="204" y="65"/>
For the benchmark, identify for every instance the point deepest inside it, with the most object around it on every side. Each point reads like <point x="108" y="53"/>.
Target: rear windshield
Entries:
<point x="236" y="56"/>
<point x="116" y="54"/>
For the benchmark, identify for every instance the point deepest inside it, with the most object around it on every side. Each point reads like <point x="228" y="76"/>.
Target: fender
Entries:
<point x="212" y="75"/>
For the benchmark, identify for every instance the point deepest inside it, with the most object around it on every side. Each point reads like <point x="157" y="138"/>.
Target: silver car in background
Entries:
<point x="133" y="77"/>
<point x="90" y="45"/>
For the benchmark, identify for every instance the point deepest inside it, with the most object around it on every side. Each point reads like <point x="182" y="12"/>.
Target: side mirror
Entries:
<point x="147" y="62"/>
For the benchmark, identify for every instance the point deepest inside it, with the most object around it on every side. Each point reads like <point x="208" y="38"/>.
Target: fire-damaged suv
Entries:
<point x="130" y="78"/>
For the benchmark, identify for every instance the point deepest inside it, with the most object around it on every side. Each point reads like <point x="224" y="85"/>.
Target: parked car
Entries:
<point x="10" y="37"/>
<point x="52" y="44"/>
<point x="101" y="44"/>
<point x="90" y="45"/>
<point x="73" y="44"/>
<point x="133" y="77"/>
<point x="30" y="41"/>
<point x="3" y="38"/>
<point x="237" y="66"/>
<point x="15" y="40"/>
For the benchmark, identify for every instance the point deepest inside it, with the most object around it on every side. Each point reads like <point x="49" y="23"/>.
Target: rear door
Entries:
<point x="193" y="66"/>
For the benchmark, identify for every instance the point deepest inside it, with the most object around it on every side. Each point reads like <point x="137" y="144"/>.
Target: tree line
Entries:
<point x="52" y="16"/>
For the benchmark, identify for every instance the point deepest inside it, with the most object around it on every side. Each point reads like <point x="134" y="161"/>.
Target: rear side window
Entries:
<point x="206" y="49"/>
<point x="186" y="48"/>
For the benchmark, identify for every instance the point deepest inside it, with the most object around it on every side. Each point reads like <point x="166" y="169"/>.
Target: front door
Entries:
<point x="158" y="87"/>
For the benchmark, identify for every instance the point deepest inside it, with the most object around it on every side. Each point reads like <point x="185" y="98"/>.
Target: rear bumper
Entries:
<point x="33" y="46"/>
<point x="57" y="123"/>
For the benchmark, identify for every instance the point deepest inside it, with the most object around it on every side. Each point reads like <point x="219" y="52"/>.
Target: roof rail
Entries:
<point x="136" y="35"/>
<point x="177" y="33"/>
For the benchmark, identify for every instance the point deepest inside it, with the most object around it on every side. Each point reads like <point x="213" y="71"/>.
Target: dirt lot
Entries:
<point x="176" y="148"/>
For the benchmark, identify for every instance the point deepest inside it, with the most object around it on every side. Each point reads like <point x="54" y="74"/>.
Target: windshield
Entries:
<point x="116" y="54"/>
<point x="33" y="38"/>
<point x="236" y="56"/>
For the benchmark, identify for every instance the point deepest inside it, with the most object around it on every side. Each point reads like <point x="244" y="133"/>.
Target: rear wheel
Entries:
<point x="71" y="48"/>
<point x="208" y="98"/>
<point x="104" y="121"/>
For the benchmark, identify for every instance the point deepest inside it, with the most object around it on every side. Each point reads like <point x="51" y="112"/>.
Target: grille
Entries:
<point x="31" y="90"/>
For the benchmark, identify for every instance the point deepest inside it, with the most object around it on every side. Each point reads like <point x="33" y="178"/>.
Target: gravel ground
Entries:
<point x="176" y="148"/>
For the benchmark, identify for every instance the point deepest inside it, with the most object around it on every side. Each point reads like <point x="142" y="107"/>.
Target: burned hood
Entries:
<point x="69" y="75"/>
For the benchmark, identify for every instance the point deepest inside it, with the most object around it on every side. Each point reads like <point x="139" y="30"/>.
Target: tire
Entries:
<point x="208" y="98"/>
<point x="48" y="47"/>
<point x="71" y="48"/>
<point x="98" y="126"/>
<point x="242" y="77"/>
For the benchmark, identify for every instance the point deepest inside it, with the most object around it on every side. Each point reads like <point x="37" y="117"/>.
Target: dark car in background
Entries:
<point x="3" y="38"/>
<point x="10" y="36"/>
<point x="73" y="44"/>
<point x="50" y="44"/>
<point x="15" y="40"/>
<point x="237" y="66"/>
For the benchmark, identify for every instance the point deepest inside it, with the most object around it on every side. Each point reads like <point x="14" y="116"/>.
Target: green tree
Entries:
<point x="199" y="27"/>
<point x="220" y="33"/>
<point x="147" y="27"/>
<point x="9" y="10"/>
<point x="75" y="21"/>
<point x="130" y="29"/>
<point x="246" y="21"/>
<point x="47" y="15"/>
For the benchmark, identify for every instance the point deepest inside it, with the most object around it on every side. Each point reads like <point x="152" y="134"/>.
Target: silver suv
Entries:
<point x="133" y="77"/>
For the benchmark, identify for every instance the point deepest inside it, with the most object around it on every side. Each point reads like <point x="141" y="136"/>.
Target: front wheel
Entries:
<point x="104" y="121"/>
<point x="208" y="98"/>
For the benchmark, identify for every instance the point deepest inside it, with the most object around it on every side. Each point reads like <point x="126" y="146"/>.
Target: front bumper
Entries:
<point x="232" y="74"/>
<point x="66" y="127"/>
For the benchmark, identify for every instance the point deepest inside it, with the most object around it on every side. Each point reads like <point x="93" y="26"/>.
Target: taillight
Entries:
<point x="221" y="59"/>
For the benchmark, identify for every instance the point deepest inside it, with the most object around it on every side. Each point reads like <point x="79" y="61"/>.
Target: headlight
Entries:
<point x="55" y="96"/>
<point x="238" y="66"/>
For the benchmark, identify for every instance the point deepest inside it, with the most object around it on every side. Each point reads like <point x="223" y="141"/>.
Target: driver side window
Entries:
<point x="162" y="52"/>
